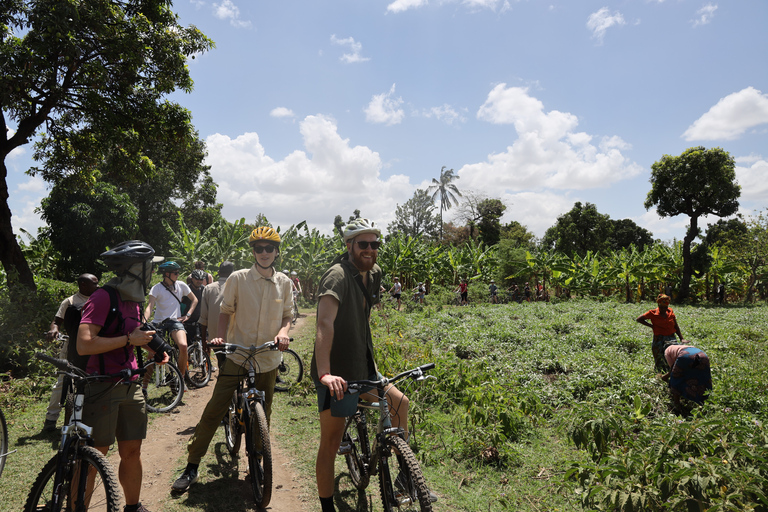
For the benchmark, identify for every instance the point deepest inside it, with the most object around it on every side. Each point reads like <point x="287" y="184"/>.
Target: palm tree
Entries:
<point x="447" y="192"/>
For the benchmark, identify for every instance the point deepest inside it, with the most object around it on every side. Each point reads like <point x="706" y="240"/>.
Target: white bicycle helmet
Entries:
<point x="360" y="227"/>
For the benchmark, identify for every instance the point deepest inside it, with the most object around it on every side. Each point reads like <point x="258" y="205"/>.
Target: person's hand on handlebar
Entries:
<point x="217" y="341"/>
<point x="337" y="385"/>
<point x="282" y="342"/>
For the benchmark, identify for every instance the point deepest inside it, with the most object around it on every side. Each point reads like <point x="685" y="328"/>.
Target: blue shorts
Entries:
<point x="339" y="408"/>
<point x="172" y="325"/>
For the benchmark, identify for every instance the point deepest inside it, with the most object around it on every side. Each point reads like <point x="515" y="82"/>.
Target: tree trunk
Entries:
<point x="693" y="231"/>
<point x="16" y="267"/>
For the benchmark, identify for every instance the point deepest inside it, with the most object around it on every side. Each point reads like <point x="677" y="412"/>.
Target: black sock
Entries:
<point x="191" y="467"/>
<point x="327" y="504"/>
<point x="131" y="508"/>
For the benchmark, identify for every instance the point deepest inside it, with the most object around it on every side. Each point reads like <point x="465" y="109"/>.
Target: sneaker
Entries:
<point x="185" y="480"/>
<point x="49" y="426"/>
<point x="139" y="508"/>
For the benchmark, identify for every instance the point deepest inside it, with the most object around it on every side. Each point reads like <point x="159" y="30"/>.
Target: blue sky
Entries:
<point x="316" y="108"/>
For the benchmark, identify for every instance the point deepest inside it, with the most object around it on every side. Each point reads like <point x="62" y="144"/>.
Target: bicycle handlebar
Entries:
<point x="418" y="373"/>
<point x="67" y="368"/>
<point x="231" y="348"/>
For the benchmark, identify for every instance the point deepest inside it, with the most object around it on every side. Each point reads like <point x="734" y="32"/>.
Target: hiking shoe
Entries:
<point x="49" y="426"/>
<point x="139" y="508"/>
<point x="185" y="480"/>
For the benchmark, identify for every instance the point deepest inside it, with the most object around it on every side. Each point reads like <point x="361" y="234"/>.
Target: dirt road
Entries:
<point x="167" y="441"/>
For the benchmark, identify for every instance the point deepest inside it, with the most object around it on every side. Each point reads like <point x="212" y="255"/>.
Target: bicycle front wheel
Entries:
<point x="259" y="456"/>
<point x="232" y="431"/>
<point x="3" y="442"/>
<point x="290" y="371"/>
<point x="199" y="365"/>
<point x="356" y="450"/>
<point x="76" y="491"/>
<point x="400" y="479"/>
<point x="163" y="387"/>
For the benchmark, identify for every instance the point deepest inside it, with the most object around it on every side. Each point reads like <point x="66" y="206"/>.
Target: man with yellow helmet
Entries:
<point x="255" y="308"/>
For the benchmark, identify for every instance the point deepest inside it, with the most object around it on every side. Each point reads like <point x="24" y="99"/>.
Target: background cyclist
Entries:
<point x="165" y="297"/>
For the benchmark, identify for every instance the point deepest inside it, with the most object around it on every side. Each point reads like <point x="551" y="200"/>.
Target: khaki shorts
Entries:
<point x="115" y="411"/>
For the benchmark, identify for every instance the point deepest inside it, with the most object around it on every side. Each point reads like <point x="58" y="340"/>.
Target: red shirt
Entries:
<point x="663" y="324"/>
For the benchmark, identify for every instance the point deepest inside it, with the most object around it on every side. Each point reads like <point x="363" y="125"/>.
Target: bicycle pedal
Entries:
<point x="345" y="448"/>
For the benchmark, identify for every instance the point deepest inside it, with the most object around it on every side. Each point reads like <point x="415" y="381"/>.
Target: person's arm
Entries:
<point x="282" y="338"/>
<point x="89" y="342"/>
<point x="148" y="310"/>
<point x="642" y="320"/>
<point x="53" y="330"/>
<point x="327" y="310"/>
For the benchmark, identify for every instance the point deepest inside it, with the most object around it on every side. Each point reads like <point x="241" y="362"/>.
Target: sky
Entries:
<point x="315" y="108"/>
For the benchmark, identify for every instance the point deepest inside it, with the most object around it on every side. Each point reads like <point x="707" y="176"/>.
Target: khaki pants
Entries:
<point x="230" y="375"/>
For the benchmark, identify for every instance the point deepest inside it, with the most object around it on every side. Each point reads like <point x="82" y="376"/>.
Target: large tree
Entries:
<point x="98" y="67"/>
<point x="698" y="182"/>
<point x="447" y="191"/>
<point x="578" y="231"/>
<point x="489" y="226"/>
<point x="625" y="232"/>
<point x="416" y="217"/>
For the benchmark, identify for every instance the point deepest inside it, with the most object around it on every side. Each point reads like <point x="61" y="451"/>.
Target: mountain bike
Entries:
<point x="3" y="442"/>
<point x="401" y="482"/>
<point x="163" y="384"/>
<point x="295" y="308"/>
<point x="290" y="371"/>
<point x="199" y="361"/>
<point x="78" y="477"/>
<point x="246" y="415"/>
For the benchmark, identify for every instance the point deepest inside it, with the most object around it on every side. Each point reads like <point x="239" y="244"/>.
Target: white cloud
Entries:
<point x="404" y="5"/>
<point x="704" y="15"/>
<point x="731" y="116"/>
<point x="329" y="177"/>
<point x="445" y="113"/>
<point x="227" y="10"/>
<point x="754" y="185"/>
<point x="548" y="154"/>
<point x="601" y="20"/>
<point x="354" y="47"/>
<point x="280" y="112"/>
<point x="383" y="108"/>
<point x="24" y="202"/>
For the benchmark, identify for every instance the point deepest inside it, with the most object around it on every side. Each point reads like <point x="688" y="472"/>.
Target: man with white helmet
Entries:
<point x="344" y="346"/>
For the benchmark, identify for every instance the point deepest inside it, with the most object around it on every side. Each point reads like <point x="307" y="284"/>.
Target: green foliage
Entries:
<point x="489" y="226"/>
<point x="416" y="217"/>
<point x="579" y="231"/>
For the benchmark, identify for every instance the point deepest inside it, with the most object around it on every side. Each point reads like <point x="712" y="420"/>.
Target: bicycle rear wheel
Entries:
<point x="259" y="455"/>
<point x="163" y="387"/>
<point x="73" y="491"/>
<point x="3" y="442"/>
<point x="232" y="431"/>
<point x="401" y="482"/>
<point x="290" y="371"/>
<point x="199" y="365"/>
<point x="358" y="451"/>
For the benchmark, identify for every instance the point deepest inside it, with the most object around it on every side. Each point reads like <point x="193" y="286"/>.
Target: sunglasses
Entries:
<point x="364" y="245"/>
<point x="175" y="272"/>
<point x="258" y="249"/>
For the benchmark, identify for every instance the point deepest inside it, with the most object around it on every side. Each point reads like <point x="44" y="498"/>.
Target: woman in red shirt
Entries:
<point x="664" y="325"/>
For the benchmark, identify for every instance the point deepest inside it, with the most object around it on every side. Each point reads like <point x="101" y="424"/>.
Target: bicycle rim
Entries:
<point x="73" y="492"/>
<point x="232" y="433"/>
<point x="199" y="365"/>
<point x="290" y="371"/>
<point x="3" y="442"/>
<point x="260" y="457"/>
<point x="401" y="482"/>
<point x="163" y="387"/>
<point x="356" y="434"/>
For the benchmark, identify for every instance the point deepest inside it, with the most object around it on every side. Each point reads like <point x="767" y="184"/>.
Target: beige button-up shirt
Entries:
<point x="257" y="306"/>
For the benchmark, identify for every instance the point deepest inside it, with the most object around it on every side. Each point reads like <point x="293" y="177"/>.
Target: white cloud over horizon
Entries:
<point x="385" y="109"/>
<point x="731" y="117"/>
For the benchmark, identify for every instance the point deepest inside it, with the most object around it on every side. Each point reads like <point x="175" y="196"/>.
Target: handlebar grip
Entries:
<point x="427" y="366"/>
<point x="61" y="364"/>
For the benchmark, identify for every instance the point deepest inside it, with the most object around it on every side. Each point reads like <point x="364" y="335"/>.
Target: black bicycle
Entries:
<point x="78" y="477"/>
<point x="163" y="384"/>
<point x="246" y="415"/>
<point x="290" y="371"/>
<point x="3" y="442"/>
<point x="401" y="481"/>
<point x="198" y="360"/>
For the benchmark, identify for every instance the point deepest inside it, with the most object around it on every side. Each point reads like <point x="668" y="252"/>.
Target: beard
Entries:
<point x="362" y="264"/>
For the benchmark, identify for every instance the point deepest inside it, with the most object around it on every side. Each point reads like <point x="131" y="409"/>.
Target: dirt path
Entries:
<point x="167" y="441"/>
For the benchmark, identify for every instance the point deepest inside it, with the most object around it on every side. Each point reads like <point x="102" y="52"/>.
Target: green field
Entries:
<point x="540" y="407"/>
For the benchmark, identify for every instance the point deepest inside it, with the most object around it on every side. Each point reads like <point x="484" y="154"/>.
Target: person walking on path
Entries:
<point x="255" y="308"/>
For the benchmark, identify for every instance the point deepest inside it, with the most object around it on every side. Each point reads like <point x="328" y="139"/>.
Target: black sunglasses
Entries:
<point x="364" y="245"/>
<point x="258" y="249"/>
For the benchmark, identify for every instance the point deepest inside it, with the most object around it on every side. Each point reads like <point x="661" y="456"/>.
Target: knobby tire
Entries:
<point x="290" y="371"/>
<point x="199" y="365"/>
<point x="398" y="461"/>
<point x="356" y="434"/>
<point x="106" y="491"/>
<point x="232" y="430"/>
<point x="164" y="387"/>
<point x="260" y="456"/>
<point x="3" y="442"/>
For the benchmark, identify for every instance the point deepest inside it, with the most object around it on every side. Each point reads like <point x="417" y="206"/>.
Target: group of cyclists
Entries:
<point x="254" y="306"/>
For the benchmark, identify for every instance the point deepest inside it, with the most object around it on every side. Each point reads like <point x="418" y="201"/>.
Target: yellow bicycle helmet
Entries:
<point x="264" y="234"/>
